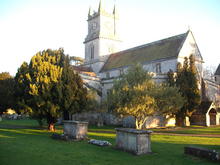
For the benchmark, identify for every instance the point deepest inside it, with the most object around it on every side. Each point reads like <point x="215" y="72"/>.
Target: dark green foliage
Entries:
<point x="71" y="95"/>
<point x="21" y="89"/>
<point x="171" y="80"/>
<point x="186" y="80"/>
<point x="47" y="87"/>
<point x="168" y="98"/>
<point x="6" y="91"/>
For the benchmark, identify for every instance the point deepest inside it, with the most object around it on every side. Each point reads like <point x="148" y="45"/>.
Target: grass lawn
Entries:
<point x="32" y="146"/>
<point x="215" y="130"/>
<point x="24" y="122"/>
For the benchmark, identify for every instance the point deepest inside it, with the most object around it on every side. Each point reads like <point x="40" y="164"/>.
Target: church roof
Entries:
<point x="162" y="49"/>
<point x="217" y="72"/>
<point x="84" y="70"/>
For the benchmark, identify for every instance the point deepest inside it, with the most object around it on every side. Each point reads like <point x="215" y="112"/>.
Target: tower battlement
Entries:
<point x="102" y="38"/>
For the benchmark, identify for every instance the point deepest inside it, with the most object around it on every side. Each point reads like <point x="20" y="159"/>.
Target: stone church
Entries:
<point x="105" y="61"/>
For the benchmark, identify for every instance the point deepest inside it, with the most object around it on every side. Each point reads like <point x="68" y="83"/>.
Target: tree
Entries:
<point x="138" y="95"/>
<point x="6" y="91"/>
<point x="170" y="78"/>
<point x="76" y="60"/>
<point x="21" y="88"/>
<point x="71" y="95"/>
<point x="186" y="80"/>
<point x="50" y="87"/>
<point x="169" y="100"/>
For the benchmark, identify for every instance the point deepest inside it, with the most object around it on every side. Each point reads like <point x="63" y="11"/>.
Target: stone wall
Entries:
<point x="104" y="118"/>
<point x="98" y="118"/>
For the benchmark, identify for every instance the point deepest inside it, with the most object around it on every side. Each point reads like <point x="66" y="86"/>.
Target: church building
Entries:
<point x="106" y="61"/>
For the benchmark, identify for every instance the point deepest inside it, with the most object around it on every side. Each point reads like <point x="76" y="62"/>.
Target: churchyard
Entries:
<point x="23" y="142"/>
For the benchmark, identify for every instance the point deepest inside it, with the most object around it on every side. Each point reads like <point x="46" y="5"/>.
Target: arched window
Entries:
<point x="92" y="51"/>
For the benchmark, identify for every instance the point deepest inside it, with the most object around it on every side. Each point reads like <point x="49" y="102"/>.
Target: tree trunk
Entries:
<point x="66" y="115"/>
<point x="180" y="121"/>
<point x="51" y="127"/>
<point x="139" y="124"/>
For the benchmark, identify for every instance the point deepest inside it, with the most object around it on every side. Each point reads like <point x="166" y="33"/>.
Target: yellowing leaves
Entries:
<point x="33" y="89"/>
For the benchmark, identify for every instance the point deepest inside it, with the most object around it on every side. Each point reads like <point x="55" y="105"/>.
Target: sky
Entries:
<point x="30" y="26"/>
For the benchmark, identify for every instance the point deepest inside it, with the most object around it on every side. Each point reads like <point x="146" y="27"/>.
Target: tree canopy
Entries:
<point x="6" y="91"/>
<point x="71" y="95"/>
<point x="49" y="87"/>
<point x="138" y="95"/>
<point x="187" y="82"/>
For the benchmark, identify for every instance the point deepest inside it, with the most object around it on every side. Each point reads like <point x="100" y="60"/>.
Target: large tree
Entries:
<point x="187" y="82"/>
<point x="71" y="95"/>
<point x="50" y="87"/>
<point x="6" y="91"/>
<point x="138" y="95"/>
<point x="21" y="94"/>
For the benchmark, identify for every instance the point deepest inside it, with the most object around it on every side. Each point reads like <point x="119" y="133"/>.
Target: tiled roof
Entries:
<point x="217" y="72"/>
<point x="85" y="70"/>
<point x="161" y="49"/>
<point x="82" y="68"/>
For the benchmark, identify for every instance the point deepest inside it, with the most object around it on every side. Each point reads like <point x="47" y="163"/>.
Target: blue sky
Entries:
<point x="29" y="26"/>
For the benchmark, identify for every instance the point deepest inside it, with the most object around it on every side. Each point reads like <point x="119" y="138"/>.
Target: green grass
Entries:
<point x="24" y="122"/>
<point x="215" y="130"/>
<point x="35" y="147"/>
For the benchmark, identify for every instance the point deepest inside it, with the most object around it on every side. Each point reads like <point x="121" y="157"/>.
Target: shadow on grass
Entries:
<point x="27" y="148"/>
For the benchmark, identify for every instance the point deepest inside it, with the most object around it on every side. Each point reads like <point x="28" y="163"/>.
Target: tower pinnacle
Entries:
<point x="115" y="11"/>
<point x="100" y="7"/>
<point x="90" y="11"/>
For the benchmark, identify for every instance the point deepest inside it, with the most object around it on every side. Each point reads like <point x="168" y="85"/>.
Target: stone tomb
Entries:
<point x="202" y="153"/>
<point x="135" y="141"/>
<point x="75" y="129"/>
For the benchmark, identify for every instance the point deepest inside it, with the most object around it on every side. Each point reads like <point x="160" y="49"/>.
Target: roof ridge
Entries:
<point x="176" y="41"/>
<point x="151" y="43"/>
<point x="217" y="72"/>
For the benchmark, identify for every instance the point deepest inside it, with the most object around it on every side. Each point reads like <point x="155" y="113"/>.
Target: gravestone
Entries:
<point x="202" y="153"/>
<point x="135" y="141"/>
<point x="75" y="129"/>
<point x="101" y="143"/>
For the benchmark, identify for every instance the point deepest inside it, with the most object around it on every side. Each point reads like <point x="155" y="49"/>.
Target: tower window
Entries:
<point x="92" y="51"/>
<point x="94" y="25"/>
<point x="158" y="68"/>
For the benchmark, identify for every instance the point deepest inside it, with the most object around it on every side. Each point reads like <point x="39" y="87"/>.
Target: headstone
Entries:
<point x="129" y="122"/>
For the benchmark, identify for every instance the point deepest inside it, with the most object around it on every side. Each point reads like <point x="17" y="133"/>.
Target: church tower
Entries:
<point x="102" y="38"/>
